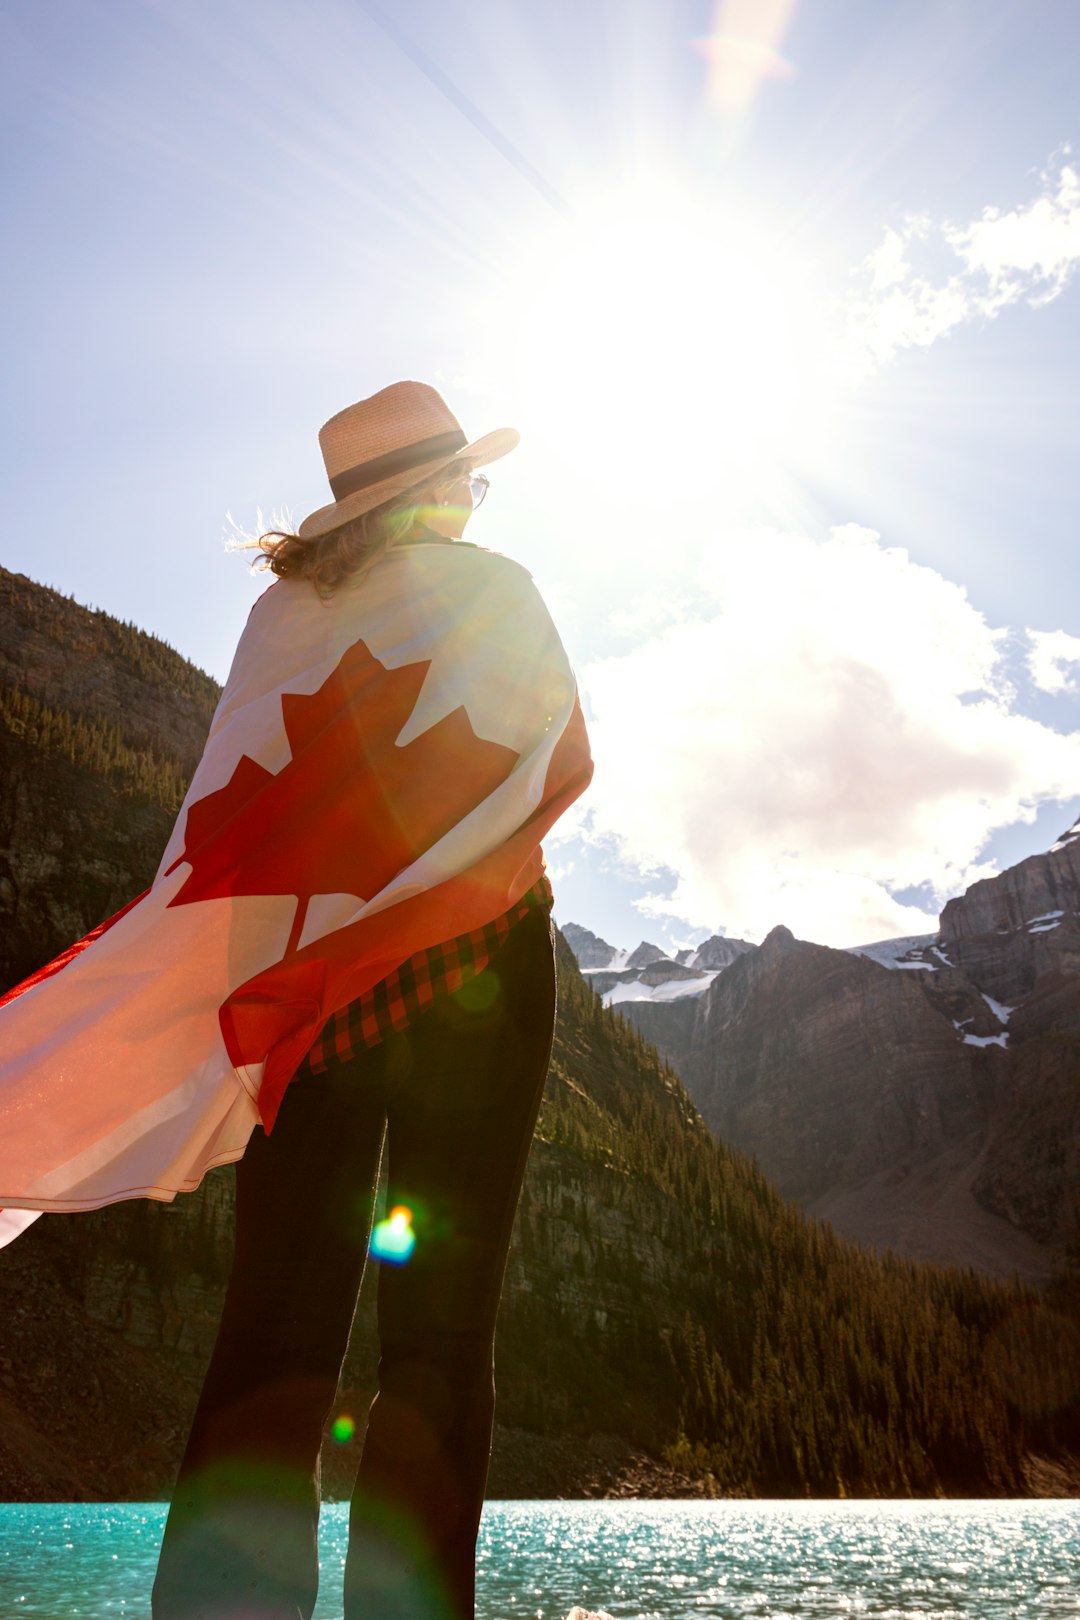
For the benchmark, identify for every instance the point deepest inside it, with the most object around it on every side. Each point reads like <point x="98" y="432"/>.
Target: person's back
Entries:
<point x="351" y="934"/>
<point x="444" y="737"/>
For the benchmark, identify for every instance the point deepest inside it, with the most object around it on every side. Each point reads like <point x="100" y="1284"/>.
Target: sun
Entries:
<point x="661" y="330"/>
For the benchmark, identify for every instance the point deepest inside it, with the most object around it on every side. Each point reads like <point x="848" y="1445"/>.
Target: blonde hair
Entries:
<point x="353" y="546"/>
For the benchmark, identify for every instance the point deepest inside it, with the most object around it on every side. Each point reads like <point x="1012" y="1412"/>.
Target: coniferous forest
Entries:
<point x="801" y="1363"/>
<point x="659" y="1289"/>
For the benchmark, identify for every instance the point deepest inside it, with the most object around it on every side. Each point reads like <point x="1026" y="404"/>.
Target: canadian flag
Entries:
<point x="378" y="776"/>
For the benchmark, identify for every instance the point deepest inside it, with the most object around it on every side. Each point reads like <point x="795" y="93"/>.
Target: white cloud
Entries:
<point x="651" y="612"/>
<point x="1051" y="651"/>
<point x="834" y="724"/>
<point x="997" y="260"/>
<point x="556" y="871"/>
<point x="1030" y="251"/>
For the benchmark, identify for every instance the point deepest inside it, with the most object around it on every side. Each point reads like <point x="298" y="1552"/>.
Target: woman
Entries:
<point x="456" y="1086"/>
<point x="353" y="922"/>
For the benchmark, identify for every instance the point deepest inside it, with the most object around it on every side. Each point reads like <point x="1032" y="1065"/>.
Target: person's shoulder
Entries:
<point x="280" y="604"/>
<point x="483" y="560"/>
<point x="506" y="585"/>
<point x="464" y="566"/>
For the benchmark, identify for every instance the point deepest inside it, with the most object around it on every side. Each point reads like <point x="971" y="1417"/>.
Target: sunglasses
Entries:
<point x="478" y="488"/>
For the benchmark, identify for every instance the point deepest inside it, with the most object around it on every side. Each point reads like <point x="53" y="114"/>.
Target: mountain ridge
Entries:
<point x="927" y="1100"/>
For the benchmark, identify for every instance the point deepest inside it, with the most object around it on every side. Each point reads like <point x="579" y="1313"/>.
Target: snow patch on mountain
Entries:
<point x="910" y="951"/>
<point x="670" y="990"/>
<point x="1000" y="1012"/>
<point x="1069" y="837"/>
<point x="647" y="973"/>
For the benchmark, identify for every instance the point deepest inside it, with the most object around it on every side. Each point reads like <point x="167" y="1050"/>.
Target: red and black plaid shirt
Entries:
<point x="412" y="987"/>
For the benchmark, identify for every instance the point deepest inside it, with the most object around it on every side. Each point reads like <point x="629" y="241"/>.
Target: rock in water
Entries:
<point x="578" y="1613"/>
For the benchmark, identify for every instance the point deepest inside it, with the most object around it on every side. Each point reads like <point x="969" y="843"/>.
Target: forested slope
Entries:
<point x="661" y="1299"/>
<point x="774" y="1356"/>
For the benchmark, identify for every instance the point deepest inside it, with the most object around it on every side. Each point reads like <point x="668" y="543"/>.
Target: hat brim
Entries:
<point x="481" y="453"/>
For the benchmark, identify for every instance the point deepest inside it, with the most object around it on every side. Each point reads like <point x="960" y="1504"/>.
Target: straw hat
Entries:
<point x="383" y="445"/>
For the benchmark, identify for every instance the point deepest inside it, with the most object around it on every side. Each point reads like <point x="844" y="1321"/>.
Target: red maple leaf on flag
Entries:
<point x="350" y="809"/>
<point x="273" y="1018"/>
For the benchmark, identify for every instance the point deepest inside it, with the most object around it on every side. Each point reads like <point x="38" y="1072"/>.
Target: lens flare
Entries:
<point x="393" y="1240"/>
<point x="743" y="51"/>
<point x="477" y="995"/>
<point x="344" y="1428"/>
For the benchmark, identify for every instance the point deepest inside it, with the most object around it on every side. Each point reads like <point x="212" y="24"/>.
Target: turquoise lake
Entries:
<point x="636" y="1560"/>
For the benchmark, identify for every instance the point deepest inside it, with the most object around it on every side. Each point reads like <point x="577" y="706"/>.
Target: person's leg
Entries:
<point x="463" y="1093"/>
<point x="241" y="1537"/>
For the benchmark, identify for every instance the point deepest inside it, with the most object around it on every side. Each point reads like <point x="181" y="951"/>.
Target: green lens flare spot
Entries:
<point x="344" y="1428"/>
<point x="477" y="995"/>
<point x="394" y="1240"/>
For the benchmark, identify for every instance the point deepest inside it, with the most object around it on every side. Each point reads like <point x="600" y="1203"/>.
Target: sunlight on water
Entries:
<point x="677" y="1560"/>
<point x="637" y="1560"/>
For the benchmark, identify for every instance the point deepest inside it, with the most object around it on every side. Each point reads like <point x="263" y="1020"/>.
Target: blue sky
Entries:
<point x="782" y="296"/>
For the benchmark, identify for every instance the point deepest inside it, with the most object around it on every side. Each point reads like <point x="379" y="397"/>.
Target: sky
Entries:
<point x="782" y="295"/>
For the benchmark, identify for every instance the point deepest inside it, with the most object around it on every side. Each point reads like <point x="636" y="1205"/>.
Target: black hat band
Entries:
<point x="396" y="461"/>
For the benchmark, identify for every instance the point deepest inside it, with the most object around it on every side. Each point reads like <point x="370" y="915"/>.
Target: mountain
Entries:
<point x="670" y="1325"/>
<point x="1007" y="932"/>
<point x="656" y="993"/>
<point x="101" y="727"/>
<point x="922" y="1094"/>
<point x="590" y="951"/>
<point x="647" y="973"/>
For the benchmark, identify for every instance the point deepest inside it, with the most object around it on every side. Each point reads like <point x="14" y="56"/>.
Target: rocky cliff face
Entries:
<point x="590" y="951"/>
<point x="1017" y="936"/>
<point x="667" y="1025"/>
<point x="1017" y="930"/>
<point x="717" y="952"/>
<point x="924" y="1096"/>
<point x="1035" y="894"/>
<point x="835" y="1063"/>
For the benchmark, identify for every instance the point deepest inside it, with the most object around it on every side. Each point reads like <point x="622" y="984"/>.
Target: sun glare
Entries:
<point x="660" y="329"/>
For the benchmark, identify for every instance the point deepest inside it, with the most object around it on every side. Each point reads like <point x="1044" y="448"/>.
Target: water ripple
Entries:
<point x="637" y="1560"/>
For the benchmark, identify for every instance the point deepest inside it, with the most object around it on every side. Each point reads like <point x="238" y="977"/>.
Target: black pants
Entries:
<point x="456" y="1096"/>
